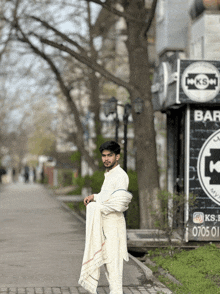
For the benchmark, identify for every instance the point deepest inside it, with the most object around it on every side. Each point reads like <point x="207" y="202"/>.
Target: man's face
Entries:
<point x="109" y="159"/>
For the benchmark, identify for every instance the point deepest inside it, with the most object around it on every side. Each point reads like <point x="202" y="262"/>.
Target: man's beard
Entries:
<point x="110" y="166"/>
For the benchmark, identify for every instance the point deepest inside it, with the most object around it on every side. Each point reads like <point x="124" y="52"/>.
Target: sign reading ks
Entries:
<point x="208" y="167"/>
<point x="201" y="81"/>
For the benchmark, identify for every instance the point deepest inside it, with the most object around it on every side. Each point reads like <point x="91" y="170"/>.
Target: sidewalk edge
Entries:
<point x="73" y="212"/>
<point x="148" y="272"/>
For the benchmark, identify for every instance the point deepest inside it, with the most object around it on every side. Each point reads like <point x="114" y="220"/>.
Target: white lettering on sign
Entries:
<point x="210" y="217"/>
<point x="216" y="140"/>
<point x="208" y="115"/>
<point x="215" y="194"/>
<point x="202" y="231"/>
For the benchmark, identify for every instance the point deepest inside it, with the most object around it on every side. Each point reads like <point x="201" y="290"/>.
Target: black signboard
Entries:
<point x="185" y="81"/>
<point x="203" y="173"/>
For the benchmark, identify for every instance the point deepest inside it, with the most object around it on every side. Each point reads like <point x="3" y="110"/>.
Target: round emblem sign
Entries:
<point x="208" y="167"/>
<point x="201" y="81"/>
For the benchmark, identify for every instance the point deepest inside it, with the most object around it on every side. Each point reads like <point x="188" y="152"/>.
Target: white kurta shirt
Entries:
<point x="115" y="179"/>
<point x="114" y="223"/>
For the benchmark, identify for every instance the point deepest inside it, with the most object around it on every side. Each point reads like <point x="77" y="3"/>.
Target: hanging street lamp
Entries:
<point x="110" y="107"/>
<point x="138" y="105"/>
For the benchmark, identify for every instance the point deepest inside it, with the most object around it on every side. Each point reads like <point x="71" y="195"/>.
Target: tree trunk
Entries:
<point x="147" y="168"/>
<point x="94" y="82"/>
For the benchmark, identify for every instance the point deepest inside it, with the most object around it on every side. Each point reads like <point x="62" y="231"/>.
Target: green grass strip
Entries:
<point x="197" y="270"/>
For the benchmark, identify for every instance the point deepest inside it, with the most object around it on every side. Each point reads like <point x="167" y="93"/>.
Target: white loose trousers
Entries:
<point x="115" y="231"/>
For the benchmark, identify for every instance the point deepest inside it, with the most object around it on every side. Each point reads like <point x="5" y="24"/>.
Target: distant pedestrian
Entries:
<point x="42" y="174"/>
<point x="106" y="242"/>
<point x="34" y="175"/>
<point x="2" y="172"/>
<point x="14" y="175"/>
<point x="26" y="173"/>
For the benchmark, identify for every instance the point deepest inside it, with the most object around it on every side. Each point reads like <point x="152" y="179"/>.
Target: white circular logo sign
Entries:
<point x="208" y="167"/>
<point x="201" y="81"/>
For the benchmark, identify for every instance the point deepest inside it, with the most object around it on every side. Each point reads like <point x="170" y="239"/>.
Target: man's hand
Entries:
<point x="88" y="199"/>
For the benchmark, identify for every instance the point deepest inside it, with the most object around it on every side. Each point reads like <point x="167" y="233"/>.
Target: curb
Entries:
<point x="73" y="212"/>
<point x="163" y="272"/>
<point x="148" y="272"/>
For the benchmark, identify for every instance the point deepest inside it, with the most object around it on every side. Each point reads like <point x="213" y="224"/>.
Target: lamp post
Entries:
<point x="127" y="111"/>
<point x="138" y="108"/>
<point x="110" y="107"/>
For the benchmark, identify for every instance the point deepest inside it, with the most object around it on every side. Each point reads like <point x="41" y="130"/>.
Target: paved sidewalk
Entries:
<point x="42" y="244"/>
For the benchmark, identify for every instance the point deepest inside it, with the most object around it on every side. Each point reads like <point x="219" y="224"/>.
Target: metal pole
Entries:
<point x="127" y="111"/>
<point x="117" y="125"/>
<point x="125" y="119"/>
<point x="125" y="141"/>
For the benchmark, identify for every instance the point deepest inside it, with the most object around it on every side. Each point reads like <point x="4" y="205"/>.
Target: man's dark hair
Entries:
<point x="110" y="146"/>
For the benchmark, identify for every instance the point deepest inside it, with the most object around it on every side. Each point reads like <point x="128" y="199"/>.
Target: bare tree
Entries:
<point x="45" y="38"/>
<point x="54" y="61"/>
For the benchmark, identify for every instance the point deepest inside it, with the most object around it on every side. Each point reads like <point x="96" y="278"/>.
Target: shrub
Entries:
<point x="96" y="181"/>
<point x="65" y="177"/>
<point x="79" y="183"/>
<point x="133" y="214"/>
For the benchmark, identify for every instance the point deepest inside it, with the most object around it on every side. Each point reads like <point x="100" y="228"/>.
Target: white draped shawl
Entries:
<point x="95" y="253"/>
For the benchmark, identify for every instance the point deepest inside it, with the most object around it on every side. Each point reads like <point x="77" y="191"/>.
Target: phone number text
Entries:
<point x="202" y="231"/>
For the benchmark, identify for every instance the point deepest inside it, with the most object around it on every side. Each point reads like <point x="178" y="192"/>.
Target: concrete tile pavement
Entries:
<point x="42" y="244"/>
<point x="78" y="290"/>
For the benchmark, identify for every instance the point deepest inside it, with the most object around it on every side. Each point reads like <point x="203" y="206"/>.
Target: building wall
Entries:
<point x="171" y="25"/>
<point x="205" y="36"/>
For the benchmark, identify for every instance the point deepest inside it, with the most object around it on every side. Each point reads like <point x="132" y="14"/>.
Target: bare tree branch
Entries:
<point x="126" y="16"/>
<point x="151" y="16"/>
<point x="115" y="11"/>
<point x="89" y="62"/>
<point x="66" y="92"/>
<point x="58" y="33"/>
<point x="5" y="45"/>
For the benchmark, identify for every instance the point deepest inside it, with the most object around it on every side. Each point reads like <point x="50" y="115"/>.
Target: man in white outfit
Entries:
<point x="114" y="226"/>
